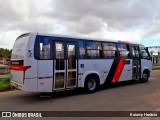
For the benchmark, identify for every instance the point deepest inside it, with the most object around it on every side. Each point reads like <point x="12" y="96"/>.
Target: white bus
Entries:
<point x="48" y="63"/>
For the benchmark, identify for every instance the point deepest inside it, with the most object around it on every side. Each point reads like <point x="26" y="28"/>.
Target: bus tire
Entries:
<point x="91" y="84"/>
<point x="145" y="77"/>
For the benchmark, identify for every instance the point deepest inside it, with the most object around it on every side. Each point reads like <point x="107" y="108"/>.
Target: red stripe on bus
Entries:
<point x="119" y="71"/>
<point x="20" y="68"/>
<point x="125" y="42"/>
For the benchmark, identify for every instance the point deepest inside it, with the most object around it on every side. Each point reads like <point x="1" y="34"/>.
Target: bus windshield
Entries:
<point x="19" y="47"/>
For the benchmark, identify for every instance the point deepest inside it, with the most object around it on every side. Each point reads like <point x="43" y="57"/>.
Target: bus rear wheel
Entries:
<point x="91" y="85"/>
<point x="145" y="77"/>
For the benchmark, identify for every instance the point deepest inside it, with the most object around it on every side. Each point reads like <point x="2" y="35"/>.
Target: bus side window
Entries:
<point x="124" y="50"/>
<point x="94" y="50"/>
<point x="81" y="50"/>
<point x="44" y="47"/>
<point x="109" y="50"/>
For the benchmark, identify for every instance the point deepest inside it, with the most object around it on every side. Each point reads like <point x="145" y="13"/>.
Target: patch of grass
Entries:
<point x="5" y="85"/>
<point x="156" y="68"/>
<point x="4" y="72"/>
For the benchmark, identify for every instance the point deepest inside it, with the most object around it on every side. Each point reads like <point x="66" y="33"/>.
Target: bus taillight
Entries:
<point x="20" y="68"/>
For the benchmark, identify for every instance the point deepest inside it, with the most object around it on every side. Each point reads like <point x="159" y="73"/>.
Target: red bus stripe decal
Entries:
<point x="112" y="71"/>
<point x="119" y="71"/>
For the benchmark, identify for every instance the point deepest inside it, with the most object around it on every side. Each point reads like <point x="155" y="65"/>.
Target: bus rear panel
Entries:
<point x="22" y="65"/>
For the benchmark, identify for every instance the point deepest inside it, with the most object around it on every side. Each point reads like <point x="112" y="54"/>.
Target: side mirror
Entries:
<point x="146" y="48"/>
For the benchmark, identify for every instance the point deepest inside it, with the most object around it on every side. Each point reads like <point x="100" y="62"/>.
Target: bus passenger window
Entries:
<point x="94" y="49"/>
<point x="81" y="50"/>
<point x="109" y="54"/>
<point x="93" y="45"/>
<point x="93" y="54"/>
<point x="124" y="50"/>
<point x="44" y="45"/>
<point x="109" y="50"/>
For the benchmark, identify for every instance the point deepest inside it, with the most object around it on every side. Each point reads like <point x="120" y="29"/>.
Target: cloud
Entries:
<point x="7" y="38"/>
<point x="117" y="15"/>
<point x="110" y="19"/>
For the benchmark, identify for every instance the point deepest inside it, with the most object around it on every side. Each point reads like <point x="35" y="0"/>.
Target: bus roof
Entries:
<point x="83" y="38"/>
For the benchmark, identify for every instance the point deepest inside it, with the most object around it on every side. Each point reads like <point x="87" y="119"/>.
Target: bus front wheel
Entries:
<point x="145" y="77"/>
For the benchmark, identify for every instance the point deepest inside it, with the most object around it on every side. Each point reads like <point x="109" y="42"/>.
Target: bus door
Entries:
<point x="65" y="65"/>
<point x="136" y="61"/>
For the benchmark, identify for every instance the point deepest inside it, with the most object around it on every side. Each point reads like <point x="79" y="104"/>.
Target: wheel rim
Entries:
<point x="145" y="76"/>
<point x="91" y="84"/>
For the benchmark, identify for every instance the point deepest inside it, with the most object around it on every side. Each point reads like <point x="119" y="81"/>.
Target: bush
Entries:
<point x="156" y="68"/>
<point x="4" y="72"/>
<point x="5" y="84"/>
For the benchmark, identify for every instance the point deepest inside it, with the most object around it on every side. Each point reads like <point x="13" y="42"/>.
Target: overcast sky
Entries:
<point x="133" y="20"/>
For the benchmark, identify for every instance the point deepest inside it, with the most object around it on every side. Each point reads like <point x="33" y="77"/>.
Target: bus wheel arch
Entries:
<point x="92" y="83"/>
<point x="145" y="76"/>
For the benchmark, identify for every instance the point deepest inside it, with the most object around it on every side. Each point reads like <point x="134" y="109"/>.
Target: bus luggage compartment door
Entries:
<point x="45" y="76"/>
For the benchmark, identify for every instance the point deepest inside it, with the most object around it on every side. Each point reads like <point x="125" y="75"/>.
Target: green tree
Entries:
<point x="5" y="52"/>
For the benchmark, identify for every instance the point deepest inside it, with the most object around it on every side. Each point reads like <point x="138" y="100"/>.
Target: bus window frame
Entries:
<point x="86" y="56"/>
<point x="101" y="56"/>
<point x="37" y="48"/>
<point x="84" y="43"/>
<point x="129" y="56"/>
<point x="116" y="51"/>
